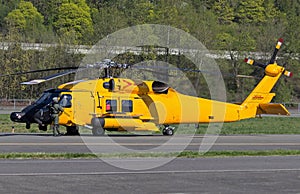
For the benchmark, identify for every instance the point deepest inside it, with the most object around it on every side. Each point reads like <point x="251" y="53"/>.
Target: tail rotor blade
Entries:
<point x="277" y="47"/>
<point x="288" y="73"/>
<point x="254" y="63"/>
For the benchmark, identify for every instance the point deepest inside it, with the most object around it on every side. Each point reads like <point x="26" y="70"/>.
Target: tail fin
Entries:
<point x="260" y="97"/>
<point x="261" y="93"/>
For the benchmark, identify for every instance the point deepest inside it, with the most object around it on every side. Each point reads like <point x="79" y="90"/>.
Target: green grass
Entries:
<point x="6" y="126"/>
<point x="265" y="125"/>
<point x="39" y="155"/>
<point x="229" y="153"/>
<point x="185" y="154"/>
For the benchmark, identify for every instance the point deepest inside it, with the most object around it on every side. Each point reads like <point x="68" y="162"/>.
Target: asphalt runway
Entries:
<point x="143" y="143"/>
<point x="201" y="175"/>
<point x="276" y="174"/>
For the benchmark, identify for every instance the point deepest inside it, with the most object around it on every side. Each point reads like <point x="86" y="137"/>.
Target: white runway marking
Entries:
<point x="153" y="172"/>
<point x="148" y="144"/>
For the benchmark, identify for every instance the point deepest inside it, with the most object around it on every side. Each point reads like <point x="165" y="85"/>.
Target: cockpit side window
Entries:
<point x="65" y="101"/>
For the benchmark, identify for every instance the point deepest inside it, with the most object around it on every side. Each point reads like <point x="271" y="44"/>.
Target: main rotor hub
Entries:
<point x="108" y="64"/>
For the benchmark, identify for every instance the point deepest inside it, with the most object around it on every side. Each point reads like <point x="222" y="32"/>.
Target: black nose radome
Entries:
<point x="16" y="116"/>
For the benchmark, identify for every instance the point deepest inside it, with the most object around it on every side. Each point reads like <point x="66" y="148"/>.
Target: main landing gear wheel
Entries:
<point x="98" y="124"/>
<point x="98" y="131"/>
<point x="168" y="130"/>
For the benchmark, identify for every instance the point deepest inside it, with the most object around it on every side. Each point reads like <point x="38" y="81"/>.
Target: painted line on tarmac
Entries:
<point x="148" y="144"/>
<point x="154" y="172"/>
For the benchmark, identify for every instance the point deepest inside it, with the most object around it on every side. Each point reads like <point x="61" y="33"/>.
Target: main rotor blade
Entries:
<point x="38" y="81"/>
<point x="277" y="47"/>
<point x="247" y="76"/>
<point x="173" y="68"/>
<point x="39" y="70"/>
<point x="148" y="68"/>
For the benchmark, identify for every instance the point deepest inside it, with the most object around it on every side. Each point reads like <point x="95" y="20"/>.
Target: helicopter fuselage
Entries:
<point x="118" y="104"/>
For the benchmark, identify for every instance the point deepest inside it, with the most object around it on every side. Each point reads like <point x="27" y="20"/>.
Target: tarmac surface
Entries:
<point x="201" y="175"/>
<point x="274" y="174"/>
<point x="143" y="143"/>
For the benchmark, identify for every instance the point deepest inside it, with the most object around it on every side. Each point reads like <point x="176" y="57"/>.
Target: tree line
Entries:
<point x="229" y="25"/>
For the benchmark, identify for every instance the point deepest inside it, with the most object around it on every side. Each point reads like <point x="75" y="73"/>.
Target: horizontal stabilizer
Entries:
<point x="277" y="109"/>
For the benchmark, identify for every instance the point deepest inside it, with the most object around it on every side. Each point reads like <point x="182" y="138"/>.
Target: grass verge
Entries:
<point x="185" y="154"/>
<point x="265" y="125"/>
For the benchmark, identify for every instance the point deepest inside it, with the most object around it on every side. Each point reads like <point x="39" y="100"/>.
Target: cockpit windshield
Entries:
<point x="45" y="97"/>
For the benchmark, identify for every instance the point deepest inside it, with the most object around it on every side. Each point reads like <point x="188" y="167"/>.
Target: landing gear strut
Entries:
<point x="168" y="130"/>
<point x="72" y="130"/>
<point x="42" y="127"/>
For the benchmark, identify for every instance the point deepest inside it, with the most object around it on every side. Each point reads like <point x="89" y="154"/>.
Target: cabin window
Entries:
<point x="65" y="101"/>
<point x="127" y="106"/>
<point x="111" y="105"/>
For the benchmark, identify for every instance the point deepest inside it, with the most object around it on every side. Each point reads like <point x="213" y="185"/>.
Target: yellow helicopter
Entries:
<point x="119" y="104"/>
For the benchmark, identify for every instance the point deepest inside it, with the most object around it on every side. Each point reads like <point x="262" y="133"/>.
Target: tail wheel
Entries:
<point x="98" y="124"/>
<point x="168" y="130"/>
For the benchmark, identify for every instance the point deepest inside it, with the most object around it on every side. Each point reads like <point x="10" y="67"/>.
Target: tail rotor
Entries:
<point x="271" y="68"/>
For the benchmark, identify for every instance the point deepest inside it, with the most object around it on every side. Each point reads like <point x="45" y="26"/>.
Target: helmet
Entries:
<point x="55" y="99"/>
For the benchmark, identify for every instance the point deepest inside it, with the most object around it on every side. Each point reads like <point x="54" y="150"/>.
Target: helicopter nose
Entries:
<point x="16" y="116"/>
